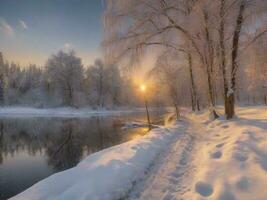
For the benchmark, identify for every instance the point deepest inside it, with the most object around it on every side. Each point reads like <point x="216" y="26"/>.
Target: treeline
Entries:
<point x="64" y="81"/>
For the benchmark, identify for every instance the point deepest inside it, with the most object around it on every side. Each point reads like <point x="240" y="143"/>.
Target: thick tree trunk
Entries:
<point x="230" y="96"/>
<point x="222" y="56"/>
<point x="229" y="106"/>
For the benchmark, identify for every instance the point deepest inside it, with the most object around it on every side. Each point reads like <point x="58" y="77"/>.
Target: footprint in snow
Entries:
<point x="220" y="145"/>
<point x="216" y="155"/>
<point x="203" y="188"/>
<point x="243" y="183"/>
<point x="242" y="157"/>
<point x="173" y="180"/>
<point x="227" y="196"/>
<point x="176" y="174"/>
<point x="225" y="126"/>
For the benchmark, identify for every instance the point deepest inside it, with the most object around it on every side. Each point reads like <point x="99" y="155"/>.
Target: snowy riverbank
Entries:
<point x="66" y="112"/>
<point x="108" y="174"/>
<point x="194" y="159"/>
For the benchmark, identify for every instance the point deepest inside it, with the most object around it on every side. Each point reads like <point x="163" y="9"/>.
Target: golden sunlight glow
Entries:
<point x="142" y="88"/>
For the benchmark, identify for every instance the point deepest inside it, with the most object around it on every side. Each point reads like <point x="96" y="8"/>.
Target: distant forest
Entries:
<point x="64" y="81"/>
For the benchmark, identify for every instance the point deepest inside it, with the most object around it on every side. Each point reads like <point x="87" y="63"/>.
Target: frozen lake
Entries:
<point x="33" y="148"/>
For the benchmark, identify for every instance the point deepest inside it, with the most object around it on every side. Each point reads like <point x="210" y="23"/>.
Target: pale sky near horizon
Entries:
<point x="32" y="30"/>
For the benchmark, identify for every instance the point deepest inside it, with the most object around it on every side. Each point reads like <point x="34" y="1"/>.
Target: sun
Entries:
<point x="143" y="88"/>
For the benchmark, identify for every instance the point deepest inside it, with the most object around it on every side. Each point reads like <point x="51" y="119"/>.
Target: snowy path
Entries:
<point x="168" y="180"/>
<point x="220" y="160"/>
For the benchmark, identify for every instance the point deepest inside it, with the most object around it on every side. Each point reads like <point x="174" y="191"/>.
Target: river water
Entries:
<point x="32" y="149"/>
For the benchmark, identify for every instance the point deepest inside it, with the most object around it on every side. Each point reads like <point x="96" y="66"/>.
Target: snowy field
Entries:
<point x="194" y="159"/>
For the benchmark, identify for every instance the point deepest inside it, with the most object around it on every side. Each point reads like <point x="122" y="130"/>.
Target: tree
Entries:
<point x="96" y="76"/>
<point x="173" y="80"/>
<point x="236" y="14"/>
<point x="133" y="26"/>
<point x="115" y="84"/>
<point x="65" y="73"/>
<point x="168" y="72"/>
<point x="2" y="79"/>
<point x="104" y="82"/>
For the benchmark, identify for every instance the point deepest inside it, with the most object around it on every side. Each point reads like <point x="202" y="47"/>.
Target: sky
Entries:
<point x="33" y="30"/>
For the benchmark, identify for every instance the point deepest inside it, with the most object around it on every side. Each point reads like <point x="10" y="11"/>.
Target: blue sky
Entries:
<point x="32" y="30"/>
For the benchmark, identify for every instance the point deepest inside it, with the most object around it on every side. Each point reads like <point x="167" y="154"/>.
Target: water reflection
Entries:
<point x="34" y="148"/>
<point x="1" y="141"/>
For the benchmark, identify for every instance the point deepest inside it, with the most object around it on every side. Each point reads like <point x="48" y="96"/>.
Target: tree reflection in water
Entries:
<point x="1" y="141"/>
<point x="65" y="150"/>
<point x="62" y="142"/>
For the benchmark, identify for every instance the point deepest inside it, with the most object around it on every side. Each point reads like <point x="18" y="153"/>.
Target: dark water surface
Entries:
<point x="31" y="149"/>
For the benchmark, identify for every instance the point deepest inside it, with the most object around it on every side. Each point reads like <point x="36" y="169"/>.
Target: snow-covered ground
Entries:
<point x="194" y="159"/>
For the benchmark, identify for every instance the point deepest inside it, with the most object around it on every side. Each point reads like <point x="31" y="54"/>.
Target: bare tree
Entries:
<point x="65" y="72"/>
<point x="245" y="10"/>
<point x="133" y="26"/>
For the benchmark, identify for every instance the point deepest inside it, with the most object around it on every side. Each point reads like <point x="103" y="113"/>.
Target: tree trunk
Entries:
<point x="209" y="62"/>
<point x="193" y="86"/>
<point x="230" y="96"/>
<point x="177" y="111"/>
<point x="192" y="101"/>
<point x="69" y="95"/>
<point x="198" y="107"/>
<point x="223" y="60"/>
<point x="210" y="95"/>
<point x="147" y="115"/>
<point x="229" y="106"/>
<point x="1" y="90"/>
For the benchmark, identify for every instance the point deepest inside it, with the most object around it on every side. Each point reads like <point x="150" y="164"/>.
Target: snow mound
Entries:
<point x="106" y="175"/>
